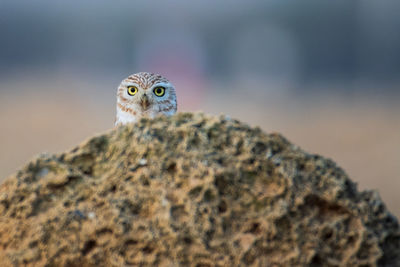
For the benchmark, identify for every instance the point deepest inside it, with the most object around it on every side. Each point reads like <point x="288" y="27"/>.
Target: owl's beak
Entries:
<point x="144" y="102"/>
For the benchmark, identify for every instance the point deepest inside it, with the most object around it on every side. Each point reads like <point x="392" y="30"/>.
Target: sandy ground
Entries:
<point x="362" y="135"/>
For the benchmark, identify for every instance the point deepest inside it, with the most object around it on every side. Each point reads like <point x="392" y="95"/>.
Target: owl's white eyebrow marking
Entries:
<point x="163" y="84"/>
<point x="129" y="83"/>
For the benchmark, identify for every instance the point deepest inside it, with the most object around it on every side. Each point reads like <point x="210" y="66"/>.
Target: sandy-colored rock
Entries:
<point x="191" y="190"/>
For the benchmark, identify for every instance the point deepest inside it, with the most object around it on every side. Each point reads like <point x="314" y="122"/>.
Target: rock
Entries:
<point x="191" y="190"/>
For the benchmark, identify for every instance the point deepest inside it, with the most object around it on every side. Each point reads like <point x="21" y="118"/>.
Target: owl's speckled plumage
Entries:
<point x="145" y="103"/>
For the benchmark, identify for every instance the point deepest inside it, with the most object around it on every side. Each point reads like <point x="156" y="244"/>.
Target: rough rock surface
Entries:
<point x="191" y="190"/>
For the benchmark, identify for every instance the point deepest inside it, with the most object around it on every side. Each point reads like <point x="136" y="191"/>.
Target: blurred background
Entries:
<point x="324" y="74"/>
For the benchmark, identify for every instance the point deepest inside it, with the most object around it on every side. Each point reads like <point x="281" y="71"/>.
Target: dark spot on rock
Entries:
<point x="208" y="195"/>
<point x="104" y="231"/>
<point x="220" y="161"/>
<point x="195" y="191"/>
<point x="99" y="144"/>
<point x="147" y="249"/>
<point x="177" y="211"/>
<point x="250" y="161"/>
<point x="250" y="256"/>
<point x="187" y="240"/>
<point x="89" y="245"/>
<point x="194" y="141"/>
<point x="351" y="240"/>
<point x="33" y="244"/>
<point x="132" y="208"/>
<point x="254" y="228"/>
<point x="239" y="147"/>
<point x="323" y="207"/>
<point x="248" y="177"/>
<point x="209" y="235"/>
<point x="113" y="188"/>
<point x="126" y="225"/>
<point x="283" y="224"/>
<point x="259" y="148"/>
<point x="88" y="171"/>
<point x="327" y="234"/>
<point x="316" y="261"/>
<point x="131" y="242"/>
<point x="301" y="166"/>
<point x="39" y="205"/>
<point x="222" y="207"/>
<point x="171" y="168"/>
<point x="364" y="250"/>
<point x="128" y="178"/>
<point x="222" y="183"/>
<point x="5" y="203"/>
<point x="145" y="181"/>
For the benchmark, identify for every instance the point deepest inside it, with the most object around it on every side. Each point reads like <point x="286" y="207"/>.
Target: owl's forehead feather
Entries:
<point x="146" y="79"/>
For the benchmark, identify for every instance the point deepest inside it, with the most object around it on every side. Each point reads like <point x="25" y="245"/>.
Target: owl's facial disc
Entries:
<point x="144" y="94"/>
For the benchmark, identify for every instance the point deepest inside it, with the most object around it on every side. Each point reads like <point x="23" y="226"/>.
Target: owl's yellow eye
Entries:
<point x="132" y="90"/>
<point x="159" y="91"/>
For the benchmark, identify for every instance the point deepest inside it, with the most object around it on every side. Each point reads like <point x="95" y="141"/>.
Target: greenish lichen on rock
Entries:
<point x="191" y="190"/>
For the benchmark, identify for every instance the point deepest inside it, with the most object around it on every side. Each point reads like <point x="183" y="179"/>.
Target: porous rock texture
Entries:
<point x="191" y="190"/>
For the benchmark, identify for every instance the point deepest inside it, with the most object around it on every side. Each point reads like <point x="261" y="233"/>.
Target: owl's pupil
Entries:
<point x="159" y="91"/>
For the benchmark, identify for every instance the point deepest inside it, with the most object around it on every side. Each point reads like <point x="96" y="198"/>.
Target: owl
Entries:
<point x="144" y="95"/>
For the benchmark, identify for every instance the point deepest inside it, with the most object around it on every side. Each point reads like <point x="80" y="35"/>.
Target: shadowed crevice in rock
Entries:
<point x="191" y="190"/>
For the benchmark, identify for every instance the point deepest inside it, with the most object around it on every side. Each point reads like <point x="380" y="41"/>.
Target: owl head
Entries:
<point x="144" y="95"/>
